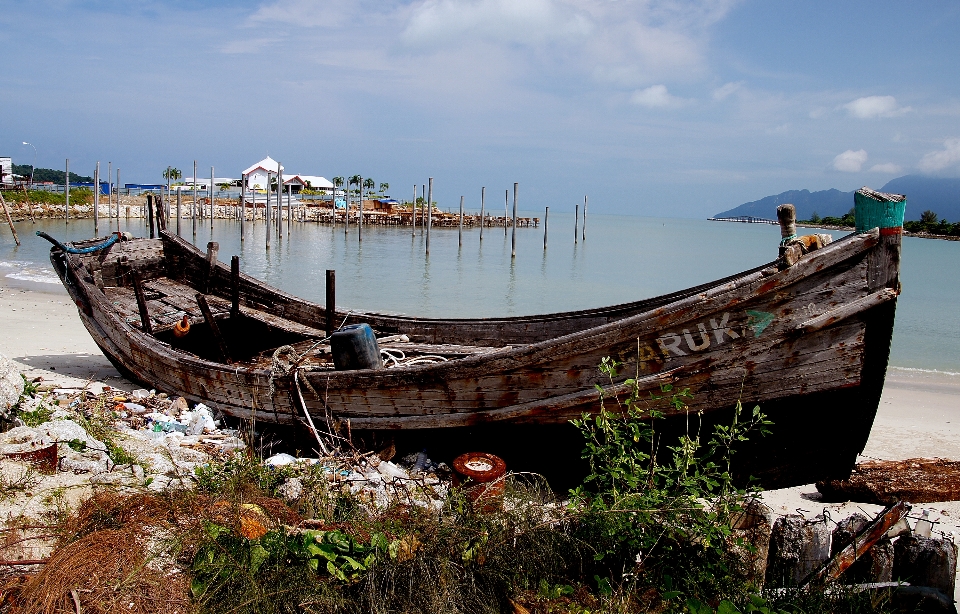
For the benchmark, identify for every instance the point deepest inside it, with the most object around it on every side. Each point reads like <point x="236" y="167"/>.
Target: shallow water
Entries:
<point x="622" y="259"/>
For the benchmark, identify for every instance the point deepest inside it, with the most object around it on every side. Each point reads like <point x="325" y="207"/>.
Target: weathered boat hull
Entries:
<point x="809" y="343"/>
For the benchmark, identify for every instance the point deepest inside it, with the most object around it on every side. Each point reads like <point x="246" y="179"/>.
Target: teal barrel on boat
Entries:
<point x="874" y="209"/>
<point x="355" y="347"/>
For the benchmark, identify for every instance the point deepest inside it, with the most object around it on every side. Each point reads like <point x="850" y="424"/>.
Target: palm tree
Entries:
<point x="384" y="187"/>
<point x="928" y="217"/>
<point x="369" y="184"/>
<point x="356" y="180"/>
<point x="172" y="174"/>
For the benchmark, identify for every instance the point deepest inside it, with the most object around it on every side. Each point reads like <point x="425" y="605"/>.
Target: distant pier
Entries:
<point x="744" y="219"/>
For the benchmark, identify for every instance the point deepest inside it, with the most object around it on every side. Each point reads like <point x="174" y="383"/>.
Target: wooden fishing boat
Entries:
<point x="806" y="337"/>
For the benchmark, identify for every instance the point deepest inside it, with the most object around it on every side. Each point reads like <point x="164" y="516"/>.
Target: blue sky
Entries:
<point x="669" y="108"/>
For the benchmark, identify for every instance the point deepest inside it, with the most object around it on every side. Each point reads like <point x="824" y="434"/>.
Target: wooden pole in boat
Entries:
<point x="141" y="302"/>
<point x="179" y="195"/>
<point x="483" y="197"/>
<point x="413" y="212"/>
<point x="243" y="204"/>
<point x="583" y="233"/>
<point x="513" y="238"/>
<point x="360" y="212"/>
<point x="96" y="200"/>
<point x="546" y="218"/>
<point x="193" y="209"/>
<point x="212" y="196"/>
<point x="429" y="210"/>
<point x="150" y="213"/>
<point x="460" y="236"/>
<point x="506" y="201"/>
<point x="66" y="194"/>
<point x="9" y="220"/>
<point x="235" y="286"/>
<point x="212" y="324"/>
<point x="331" y="300"/>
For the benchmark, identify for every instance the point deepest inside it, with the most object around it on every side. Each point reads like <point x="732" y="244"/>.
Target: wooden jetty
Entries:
<point x="806" y="337"/>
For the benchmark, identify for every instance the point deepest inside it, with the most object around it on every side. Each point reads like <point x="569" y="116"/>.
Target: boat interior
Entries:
<point x="173" y="275"/>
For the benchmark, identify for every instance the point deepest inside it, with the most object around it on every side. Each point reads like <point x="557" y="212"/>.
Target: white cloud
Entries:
<point x="940" y="160"/>
<point x="889" y="167"/>
<point x="655" y="96"/>
<point x="870" y="107"/>
<point x="850" y="161"/>
<point x="514" y="21"/>
<point x="726" y="89"/>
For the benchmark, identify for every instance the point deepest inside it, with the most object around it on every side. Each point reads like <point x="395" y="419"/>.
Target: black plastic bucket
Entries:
<point x="355" y="347"/>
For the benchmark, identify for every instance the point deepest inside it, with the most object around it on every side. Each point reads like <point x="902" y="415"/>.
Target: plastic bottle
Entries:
<point x="924" y="526"/>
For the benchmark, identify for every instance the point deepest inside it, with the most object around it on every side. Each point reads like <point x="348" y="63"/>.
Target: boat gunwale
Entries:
<point x="518" y="355"/>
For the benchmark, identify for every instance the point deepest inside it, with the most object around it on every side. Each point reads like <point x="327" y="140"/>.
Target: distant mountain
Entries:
<point x="940" y="195"/>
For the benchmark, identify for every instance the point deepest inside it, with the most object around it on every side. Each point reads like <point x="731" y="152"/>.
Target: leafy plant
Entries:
<point x="662" y="518"/>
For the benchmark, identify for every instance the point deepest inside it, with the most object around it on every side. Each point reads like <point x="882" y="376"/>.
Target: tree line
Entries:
<point x="929" y="223"/>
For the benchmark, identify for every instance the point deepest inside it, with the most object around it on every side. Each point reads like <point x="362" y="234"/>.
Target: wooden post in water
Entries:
<point x="167" y="199"/>
<point x="583" y="235"/>
<point x="279" y="201"/>
<point x="289" y="210"/>
<point x="506" y="201"/>
<point x="423" y="212"/>
<point x="9" y="220"/>
<point x="546" y="218"/>
<point x="150" y="213"/>
<point x="66" y="194"/>
<point x="243" y="204"/>
<point x="96" y="201"/>
<point x="193" y="209"/>
<point x="331" y="300"/>
<point x="110" y="194"/>
<point x="576" y="220"/>
<point x="429" y="210"/>
<point x="179" y="195"/>
<point x="360" y="212"/>
<point x="346" y="208"/>
<point x="461" y="222"/>
<point x="413" y="212"/>
<point x="483" y="196"/>
<point x="118" y="198"/>
<point x="266" y="211"/>
<point x="513" y="238"/>
<point x="212" y="196"/>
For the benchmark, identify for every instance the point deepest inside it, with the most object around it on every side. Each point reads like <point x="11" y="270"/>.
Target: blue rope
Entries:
<point x="785" y="240"/>
<point x="86" y="250"/>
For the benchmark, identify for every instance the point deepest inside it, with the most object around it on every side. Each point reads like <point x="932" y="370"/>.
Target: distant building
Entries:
<point x="257" y="175"/>
<point x="312" y="182"/>
<point x="264" y="173"/>
<point x="6" y="170"/>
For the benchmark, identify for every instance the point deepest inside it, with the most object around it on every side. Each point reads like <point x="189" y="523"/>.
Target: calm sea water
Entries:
<point x="622" y="259"/>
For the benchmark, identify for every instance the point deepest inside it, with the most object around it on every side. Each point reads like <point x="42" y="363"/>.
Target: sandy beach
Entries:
<point x="919" y="414"/>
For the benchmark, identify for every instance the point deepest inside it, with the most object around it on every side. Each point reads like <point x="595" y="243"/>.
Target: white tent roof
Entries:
<point x="267" y="164"/>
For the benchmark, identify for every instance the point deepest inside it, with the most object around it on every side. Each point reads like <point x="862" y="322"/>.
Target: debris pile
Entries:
<point x="918" y="480"/>
<point x="414" y="480"/>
